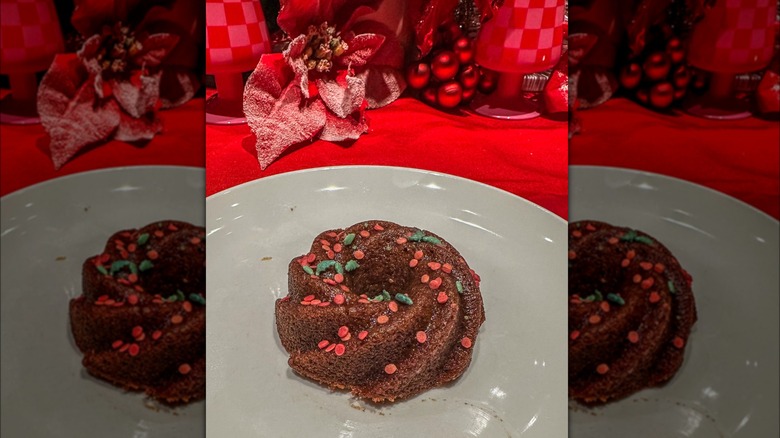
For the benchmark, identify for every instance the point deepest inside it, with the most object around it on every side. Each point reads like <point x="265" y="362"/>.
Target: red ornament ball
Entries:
<point x="641" y="95"/>
<point x="418" y="75"/>
<point x="449" y="32"/>
<point x="657" y="66"/>
<point x="488" y="81"/>
<point x="444" y="65"/>
<point x="681" y="77"/>
<point x="468" y="94"/>
<point x="429" y="95"/>
<point x="630" y="76"/>
<point x="661" y="95"/>
<point x="469" y="76"/>
<point x="464" y="50"/>
<point x="675" y="50"/>
<point x="449" y="94"/>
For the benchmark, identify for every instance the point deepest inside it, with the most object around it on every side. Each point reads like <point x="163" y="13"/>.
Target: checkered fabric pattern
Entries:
<point x="524" y="36"/>
<point x="236" y="35"/>
<point x="738" y="38"/>
<point x="30" y="35"/>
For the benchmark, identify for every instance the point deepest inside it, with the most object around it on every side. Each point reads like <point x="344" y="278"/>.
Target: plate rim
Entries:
<point x="20" y="191"/>
<point x="259" y="180"/>
<point x="675" y="180"/>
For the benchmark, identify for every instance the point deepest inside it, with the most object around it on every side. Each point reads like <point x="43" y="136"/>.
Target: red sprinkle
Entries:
<point x="391" y="368"/>
<point x="132" y="299"/>
<point x="365" y="233"/>
<point x="613" y="240"/>
<point x="329" y="281"/>
<point x="195" y="240"/>
<point x="418" y="254"/>
<point x="177" y="319"/>
<point x="305" y="303"/>
<point x="576" y="233"/>
<point x="358" y="254"/>
<point x="311" y="257"/>
<point x="324" y="242"/>
<point x="363" y="301"/>
<point x="347" y="337"/>
<point x="654" y="297"/>
<point x="637" y="278"/>
<point x="678" y="342"/>
<point x="574" y="334"/>
<point x="382" y="319"/>
<point x="172" y="227"/>
<point x="572" y="254"/>
<point x="631" y="254"/>
<point x="594" y="319"/>
<point x="132" y="278"/>
<point x="338" y="299"/>
<point x="413" y="263"/>
<point x="659" y="267"/>
<point x="378" y="227"/>
<point x="137" y="330"/>
<point x="343" y="330"/>
<point x="625" y="263"/>
<point x="134" y="349"/>
<point x="308" y="298"/>
<point x="315" y="302"/>
<point x="156" y="335"/>
<point x="590" y="227"/>
<point x="344" y="288"/>
<point x="132" y="247"/>
<point x="602" y="368"/>
<point x="401" y="240"/>
<point x="647" y="283"/>
<point x="466" y="342"/>
<point x="330" y="348"/>
<point x="331" y="254"/>
<point x="435" y="283"/>
<point x="325" y="304"/>
<point x="102" y="298"/>
<point x="421" y="337"/>
<point x="340" y="348"/>
<point x="187" y="306"/>
<point x="434" y="265"/>
<point x="442" y="298"/>
<point x="633" y="337"/>
<point x="185" y="368"/>
<point x="362" y="335"/>
<point x="338" y="278"/>
<point x="447" y="268"/>
<point x="425" y="278"/>
<point x="604" y="306"/>
<point x="337" y="247"/>
<point x="152" y="254"/>
<point x="393" y="306"/>
<point x="124" y="348"/>
<point x="646" y="265"/>
<point x="116" y="344"/>
<point x="159" y="233"/>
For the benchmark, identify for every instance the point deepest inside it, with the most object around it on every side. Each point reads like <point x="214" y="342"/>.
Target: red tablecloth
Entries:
<point x="740" y="158"/>
<point x="25" y="159"/>
<point x="527" y="158"/>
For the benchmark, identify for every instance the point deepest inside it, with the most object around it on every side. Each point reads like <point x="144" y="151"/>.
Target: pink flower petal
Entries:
<point x="348" y="128"/>
<point x="138" y="129"/>
<point x="383" y="85"/>
<point x="294" y="58"/>
<point x="155" y="48"/>
<point x="361" y="49"/>
<point x="136" y="100"/>
<point x="345" y="99"/>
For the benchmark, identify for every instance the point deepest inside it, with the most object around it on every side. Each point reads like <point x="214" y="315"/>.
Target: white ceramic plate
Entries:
<point x="516" y="384"/>
<point x="48" y="230"/>
<point x="728" y="384"/>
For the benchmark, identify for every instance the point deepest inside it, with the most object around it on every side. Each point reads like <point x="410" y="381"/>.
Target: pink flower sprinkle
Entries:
<point x="418" y="254"/>
<point x="365" y="233"/>
<point x="435" y="283"/>
<point x="116" y="344"/>
<point x="434" y="265"/>
<point x="358" y="254"/>
<point x="466" y="342"/>
<point x="338" y="299"/>
<point x="362" y="335"/>
<point x="442" y="298"/>
<point x="421" y="337"/>
<point x="393" y="306"/>
<point x="308" y="298"/>
<point x="390" y="368"/>
<point x="339" y="278"/>
<point x="343" y="330"/>
<point x="425" y="278"/>
<point x="401" y="240"/>
<point x="330" y="348"/>
<point x="340" y="349"/>
<point x="382" y="319"/>
<point x="337" y="247"/>
<point x="413" y="263"/>
<point x="378" y="227"/>
<point x="323" y="343"/>
<point x="646" y="265"/>
<point x="446" y="268"/>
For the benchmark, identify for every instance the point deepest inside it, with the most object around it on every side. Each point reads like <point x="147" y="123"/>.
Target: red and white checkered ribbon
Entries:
<point x="30" y="35"/>
<point x="236" y="35"/>
<point x="738" y="38"/>
<point x="524" y="36"/>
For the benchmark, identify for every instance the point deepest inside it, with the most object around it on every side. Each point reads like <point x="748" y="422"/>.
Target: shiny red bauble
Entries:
<point x="449" y="94"/>
<point x="488" y="81"/>
<point x="444" y="65"/>
<point x="675" y="50"/>
<point x="468" y="94"/>
<point x="469" y="76"/>
<point x="661" y="95"/>
<point x="449" y="32"/>
<point x="463" y="50"/>
<point x="641" y="95"/>
<point x="681" y="77"/>
<point x="630" y="76"/>
<point x="429" y="95"/>
<point x="657" y="66"/>
<point x="418" y="75"/>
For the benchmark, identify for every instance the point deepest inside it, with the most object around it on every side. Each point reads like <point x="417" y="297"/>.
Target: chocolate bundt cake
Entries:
<point x="630" y="312"/>
<point x="383" y="310"/>
<point x="141" y="320"/>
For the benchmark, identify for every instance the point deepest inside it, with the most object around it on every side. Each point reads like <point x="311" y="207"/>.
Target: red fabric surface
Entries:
<point x="25" y="158"/>
<point x="527" y="158"/>
<point x="740" y="158"/>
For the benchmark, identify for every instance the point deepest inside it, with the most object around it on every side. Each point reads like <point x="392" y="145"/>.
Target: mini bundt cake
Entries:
<point x="380" y="309"/>
<point x="631" y="310"/>
<point x="141" y="320"/>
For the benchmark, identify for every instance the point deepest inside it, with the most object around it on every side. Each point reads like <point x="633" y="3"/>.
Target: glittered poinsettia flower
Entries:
<point x="109" y="89"/>
<point x="338" y="64"/>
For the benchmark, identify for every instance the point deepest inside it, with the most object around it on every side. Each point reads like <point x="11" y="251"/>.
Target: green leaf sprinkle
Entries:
<point x="645" y="240"/>
<point x="599" y="296"/>
<point x="589" y="298"/>
<point x="417" y="236"/>
<point x="349" y="238"/>
<point x="307" y="269"/>
<point x="339" y="268"/>
<point x="386" y="295"/>
<point x="459" y="286"/>
<point x="629" y="236"/>
<point x="431" y="239"/>
<point x="197" y="298"/>
<point x="404" y="299"/>
<point x="351" y="265"/>
<point x="117" y="265"/>
<point x="377" y="299"/>
<point x="324" y="265"/>
<point x="670" y="285"/>
<point x="145" y="265"/>
<point x="143" y="238"/>
<point x="101" y="269"/>
<point x="133" y="268"/>
<point x="180" y="294"/>
<point x="617" y="299"/>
